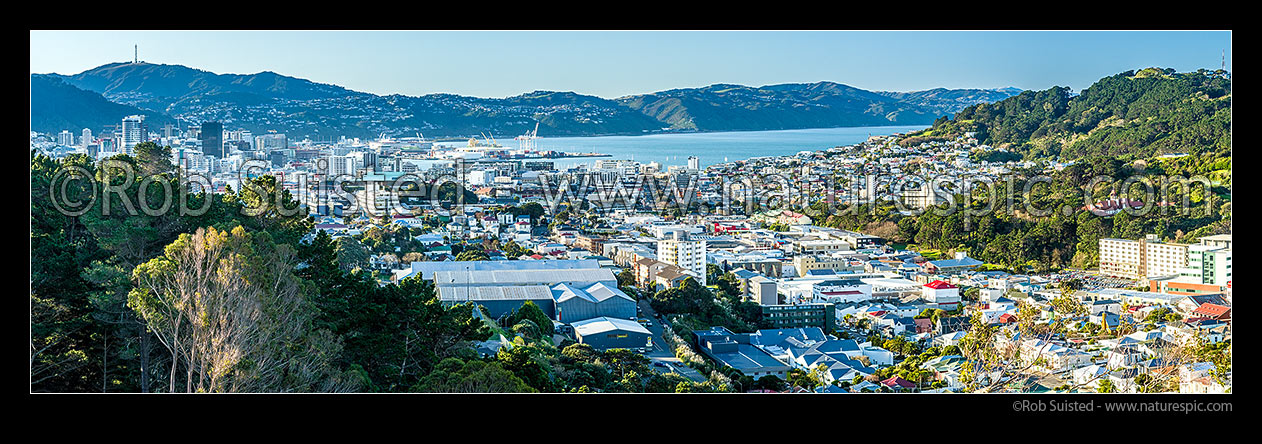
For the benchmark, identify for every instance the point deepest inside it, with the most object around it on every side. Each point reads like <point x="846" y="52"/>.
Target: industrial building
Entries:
<point x="500" y="300"/>
<point x="427" y="269"/>
<point x="577" y="303"/>
<point x="604" y="333"/>
<point x="548" y="277"/>
<point x="565" y="294"/>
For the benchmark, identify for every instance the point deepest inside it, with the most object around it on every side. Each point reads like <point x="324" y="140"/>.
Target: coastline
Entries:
<point x="682" y="132"/>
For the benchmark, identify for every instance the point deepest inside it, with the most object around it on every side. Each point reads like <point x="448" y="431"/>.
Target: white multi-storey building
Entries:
<point x="341" y="166"/>
<point x="133" y="132"/>
<point x="1162" y="259"/>
<point x="821" y="246"/>
<point x="1207" y="265"/>
<point x="1141" y="258"/>
<point x="687" y="254"/>
<point x="1121" y="257"/>
<point x="620" y="167"/>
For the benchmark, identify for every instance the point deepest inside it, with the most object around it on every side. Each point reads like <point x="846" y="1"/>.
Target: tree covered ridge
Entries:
<point x="1015" y="237"/>
<point x="221" y="301"/>
<point x="1130" y="115"/>
<point x="230" y="301"/>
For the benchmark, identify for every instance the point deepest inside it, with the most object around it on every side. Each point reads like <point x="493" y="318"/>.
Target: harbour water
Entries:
<point x="710" y="148"/>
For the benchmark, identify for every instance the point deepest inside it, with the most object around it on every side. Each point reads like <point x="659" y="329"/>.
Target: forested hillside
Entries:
<point x="1132" y="115"/>
<point x="56" y="106"/>
<point x="1118" y="128"/>
<point x="225" y="301"/>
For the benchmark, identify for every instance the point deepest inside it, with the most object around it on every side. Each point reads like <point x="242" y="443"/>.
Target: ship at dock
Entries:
<point x="487" y="148"/>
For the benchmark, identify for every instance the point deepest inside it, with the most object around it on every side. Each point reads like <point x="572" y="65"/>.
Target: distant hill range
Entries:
<point x="57" y="105"/>
<point x="950" y="101"/>
<point x="270" y="101"/>
<point x="776" y="107"/>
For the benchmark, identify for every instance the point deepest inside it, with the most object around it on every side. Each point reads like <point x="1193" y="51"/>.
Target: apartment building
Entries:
<point x="823" y="316"/>
<point x="688" y="254"/>
<point x="1141" y="258"/>
<point x="1163" y="259"/>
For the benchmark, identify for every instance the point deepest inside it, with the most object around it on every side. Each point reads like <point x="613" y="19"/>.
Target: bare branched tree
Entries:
<point x="228" y="307"/>
<point x="1015" y="356"/>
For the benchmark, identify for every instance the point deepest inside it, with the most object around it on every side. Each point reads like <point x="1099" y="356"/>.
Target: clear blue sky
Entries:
<point x="614" y="64"/>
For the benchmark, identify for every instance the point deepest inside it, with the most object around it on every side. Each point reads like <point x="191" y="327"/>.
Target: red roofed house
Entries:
<point x="898" y="383"/>
<point x="1213" y="311"/>
<point x="924" y="325"/>
<point x="940" y="292"/>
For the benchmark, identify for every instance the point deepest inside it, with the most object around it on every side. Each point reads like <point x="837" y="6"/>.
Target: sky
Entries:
<point x="612" y="64"/>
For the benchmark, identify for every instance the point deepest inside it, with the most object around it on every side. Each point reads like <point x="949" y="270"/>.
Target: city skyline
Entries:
<point x="610" y="212"/>
<point x="613" y="64"/>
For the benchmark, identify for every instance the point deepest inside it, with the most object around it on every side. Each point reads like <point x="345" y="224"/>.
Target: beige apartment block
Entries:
<point x="1141" y="258"/>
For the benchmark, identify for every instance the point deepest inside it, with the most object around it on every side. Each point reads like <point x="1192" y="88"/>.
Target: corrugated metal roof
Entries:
<point x="427" y="269"/>
<point x="521" y="277"/>
<point x="494" y="293"/>
<point x="594" y="293"/>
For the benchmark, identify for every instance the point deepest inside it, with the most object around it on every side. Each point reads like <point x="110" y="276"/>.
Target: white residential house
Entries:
<point x="1088" y="377"/>
<point x="1057" y="358"/>
<point x="949" y="339"/>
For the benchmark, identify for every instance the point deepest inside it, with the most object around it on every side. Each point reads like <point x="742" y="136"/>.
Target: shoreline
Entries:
<point x="658" y="133"/>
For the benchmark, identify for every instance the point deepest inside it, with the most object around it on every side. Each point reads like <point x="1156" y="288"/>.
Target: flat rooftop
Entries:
<point x="748" y="357"/>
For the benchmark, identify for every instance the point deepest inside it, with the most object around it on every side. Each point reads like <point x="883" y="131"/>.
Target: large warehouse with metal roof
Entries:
<point x="604" y="333"/>
<point x="564" y="294"/>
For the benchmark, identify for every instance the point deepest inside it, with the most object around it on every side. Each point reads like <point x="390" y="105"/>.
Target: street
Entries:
<point x="662" y="352"/>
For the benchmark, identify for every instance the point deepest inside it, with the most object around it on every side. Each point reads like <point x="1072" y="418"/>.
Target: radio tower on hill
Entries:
<point x="1224" y="65"/>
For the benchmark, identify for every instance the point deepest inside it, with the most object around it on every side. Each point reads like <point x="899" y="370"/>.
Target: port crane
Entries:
<point x="527" y="141"/>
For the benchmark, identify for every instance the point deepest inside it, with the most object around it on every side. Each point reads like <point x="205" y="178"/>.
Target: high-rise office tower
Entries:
<point x="694" y="163"/>
<point x="211" y="135"/>
<point x="133" y="131"/>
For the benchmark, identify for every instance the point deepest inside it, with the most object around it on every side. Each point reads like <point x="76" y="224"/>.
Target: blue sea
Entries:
<point x="710" y="148"/>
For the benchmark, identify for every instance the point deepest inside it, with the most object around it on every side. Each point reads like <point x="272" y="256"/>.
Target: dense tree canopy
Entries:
<point x="1131" y="115"/>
